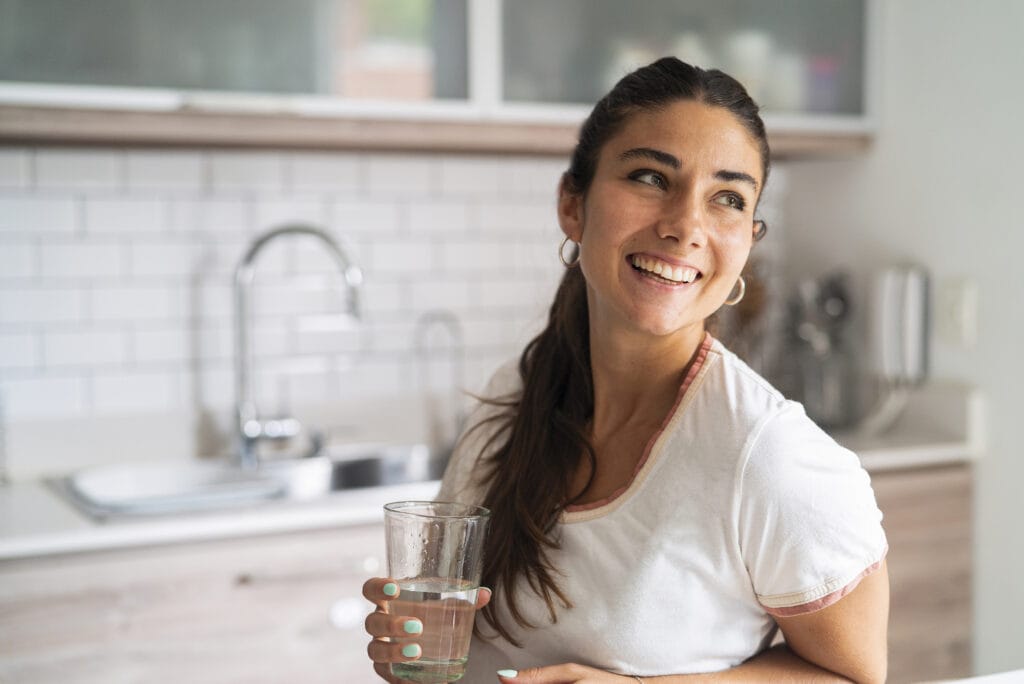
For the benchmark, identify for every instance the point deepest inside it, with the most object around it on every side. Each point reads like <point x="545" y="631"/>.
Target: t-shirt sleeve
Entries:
<point x="462" y="481"/>
<point x="809" y="527"/>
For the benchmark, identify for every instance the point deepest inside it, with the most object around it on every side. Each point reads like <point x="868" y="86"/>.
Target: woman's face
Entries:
<point x="668" y="221"/>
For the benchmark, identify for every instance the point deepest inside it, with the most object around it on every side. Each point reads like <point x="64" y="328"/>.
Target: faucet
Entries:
<point x="443" y="437"/>
<point x="251" y="426"/>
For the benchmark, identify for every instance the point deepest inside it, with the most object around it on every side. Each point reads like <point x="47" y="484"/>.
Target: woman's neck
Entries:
<point x="637" y="378"/>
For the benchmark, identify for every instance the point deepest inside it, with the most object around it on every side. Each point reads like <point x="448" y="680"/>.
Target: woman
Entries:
<point x="658" y="509"/>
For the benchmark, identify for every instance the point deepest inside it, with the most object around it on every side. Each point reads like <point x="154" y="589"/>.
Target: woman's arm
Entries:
<point x="842" y="643"/>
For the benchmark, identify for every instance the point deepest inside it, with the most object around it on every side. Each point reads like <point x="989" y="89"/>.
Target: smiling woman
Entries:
<point x="658" y="509"/>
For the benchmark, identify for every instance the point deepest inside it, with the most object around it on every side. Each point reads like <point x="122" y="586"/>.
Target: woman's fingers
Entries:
<point x="483" y="597"/>
<point x="393" y="652"/>
<point x="380" y="624"/>
<point x="380" y="590"/>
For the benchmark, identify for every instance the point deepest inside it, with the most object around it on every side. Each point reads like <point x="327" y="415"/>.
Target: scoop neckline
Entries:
<point x="596" y="509"/>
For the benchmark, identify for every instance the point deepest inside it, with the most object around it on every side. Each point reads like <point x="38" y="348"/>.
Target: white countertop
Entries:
<point x="940" y="426"/>
<point x="36" y="521"/>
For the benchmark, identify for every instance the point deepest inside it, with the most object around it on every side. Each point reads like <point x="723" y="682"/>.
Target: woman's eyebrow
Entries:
<point x="651" y="153"/>
<point x="736" y="176"/>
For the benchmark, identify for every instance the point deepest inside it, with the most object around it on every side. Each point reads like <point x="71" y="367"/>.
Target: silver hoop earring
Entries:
<point x="561" y="254"/>
<point x="739" y="297"/>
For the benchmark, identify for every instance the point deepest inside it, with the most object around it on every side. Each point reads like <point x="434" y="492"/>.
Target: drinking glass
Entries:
<point x="435" y="554"/>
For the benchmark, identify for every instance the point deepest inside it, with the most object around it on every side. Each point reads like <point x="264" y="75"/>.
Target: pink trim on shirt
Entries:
<point x="828" y="599"/>
<point x="698" y="361"/>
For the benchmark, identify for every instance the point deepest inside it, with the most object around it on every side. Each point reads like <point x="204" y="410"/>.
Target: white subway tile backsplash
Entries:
<point x="137" y="303"/>
<point x="41" y="305"/>
<point x="165" y="170"/>
<point x="275" y="213"/>
<point x="408" y="257"/>
<point x="337" y="173"/>
<point x="175" y="345"/>
<point x="211" y="301"/>
<point x="176" y="260"/>
<point x="438" y="217"/>
<point x="527" y="294"/>
<point x="84" y="348"/>
<point x="532" y="177"/>
<point x="212" y="215"/>
<point x="116" y="271"/>
<point x="18" y="260"/>
<point x="380" y="295"/>
<point x="18" y="350"/>
<point x="362" y="218"/>
<point x="469" y="176"/>
<point x="135" y="392"/>
<point x="34" y="214"/>
<point x="450" y="295"/>
<point x="79" y="169"/>
<point x="81" y="260"/>
<point x="15" y="168"/>
<point x="125" y="215"/>
<point x="253" y="172"/>
<point x="521" y="218"/>
<point x="475" y="256"/>
<point x="211" y="386"/>
<point x="44" y="397"/>
<point x="396" y="176"/>
<point x="271" y="339"/>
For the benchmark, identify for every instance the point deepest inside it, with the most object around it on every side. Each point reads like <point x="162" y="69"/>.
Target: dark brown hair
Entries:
<point x="542" y="432"/>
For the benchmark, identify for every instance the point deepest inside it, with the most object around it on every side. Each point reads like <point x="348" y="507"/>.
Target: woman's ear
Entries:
<point x="570" y="211"/>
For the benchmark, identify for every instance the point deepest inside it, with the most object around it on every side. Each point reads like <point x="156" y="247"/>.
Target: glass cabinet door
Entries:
<point x="794" y="56"/>
<point x="408" y="50"/>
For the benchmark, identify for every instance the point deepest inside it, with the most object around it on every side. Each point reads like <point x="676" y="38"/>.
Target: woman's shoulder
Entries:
<point x="463" y="477"/>
<point x="735" y="389"/>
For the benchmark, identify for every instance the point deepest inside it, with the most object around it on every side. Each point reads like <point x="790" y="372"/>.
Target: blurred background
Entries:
<point x="151" y="151"/>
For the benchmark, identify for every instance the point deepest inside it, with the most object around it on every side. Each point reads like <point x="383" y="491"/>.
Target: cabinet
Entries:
<point x="263" y="609"/>
<point x="928" y="523"/>
<point x="459" y="75"/>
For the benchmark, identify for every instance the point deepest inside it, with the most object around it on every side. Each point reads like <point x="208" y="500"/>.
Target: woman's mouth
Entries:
<point x="662" y="271"/>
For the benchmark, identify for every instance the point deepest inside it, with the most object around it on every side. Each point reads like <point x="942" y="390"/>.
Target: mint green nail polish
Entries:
<point x="413" y="626"/>
<point x="508" y="673"/>
<point x="411" y="650"/>
<point x="390" y="589"/>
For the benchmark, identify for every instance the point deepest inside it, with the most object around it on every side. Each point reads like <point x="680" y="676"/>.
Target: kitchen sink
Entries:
<point x="165" y="487"/>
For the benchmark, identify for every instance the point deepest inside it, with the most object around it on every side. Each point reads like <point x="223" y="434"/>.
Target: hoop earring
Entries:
<point x="738" y="298"/>
<point x="561" y="254"/>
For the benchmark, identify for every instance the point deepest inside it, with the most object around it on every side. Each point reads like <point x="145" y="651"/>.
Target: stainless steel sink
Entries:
<point x="147" y="489"/>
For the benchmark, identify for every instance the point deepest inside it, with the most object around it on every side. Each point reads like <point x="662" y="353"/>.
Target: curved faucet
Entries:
<point x="251" y="427"/>
<point x="449" y="323"/>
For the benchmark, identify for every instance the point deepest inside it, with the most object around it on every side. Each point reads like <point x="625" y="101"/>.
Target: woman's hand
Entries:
<point x="396" y="637"/>
<point x="567" y="673"/>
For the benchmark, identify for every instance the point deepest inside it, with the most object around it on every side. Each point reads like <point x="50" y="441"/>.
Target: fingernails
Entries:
<point x="390" y="589"/>
<point x="508" y="673"/>
<point x="411" y="650"/>
<point x="413" y="626"/>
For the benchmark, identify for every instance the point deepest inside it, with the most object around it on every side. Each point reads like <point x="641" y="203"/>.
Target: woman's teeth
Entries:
<point x="677" y="274"/>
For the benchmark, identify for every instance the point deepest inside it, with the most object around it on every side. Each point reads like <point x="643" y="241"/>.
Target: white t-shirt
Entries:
<point x="742" y="508"/>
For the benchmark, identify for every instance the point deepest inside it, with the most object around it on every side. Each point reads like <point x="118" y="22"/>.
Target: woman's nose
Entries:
<point x="684" y="223"/>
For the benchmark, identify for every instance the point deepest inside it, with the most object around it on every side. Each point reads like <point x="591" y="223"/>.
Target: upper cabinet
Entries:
<point x="469" y="75"/>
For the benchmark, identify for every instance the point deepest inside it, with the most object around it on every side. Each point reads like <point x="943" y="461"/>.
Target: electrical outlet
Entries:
<point x="956" y="311"/>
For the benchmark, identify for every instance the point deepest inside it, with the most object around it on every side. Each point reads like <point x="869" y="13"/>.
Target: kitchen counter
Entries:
<point x="36" y="521"/>
<point x="941" y="425"/>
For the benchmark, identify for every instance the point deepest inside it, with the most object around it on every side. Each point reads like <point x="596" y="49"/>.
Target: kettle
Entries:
<point x="899" y="332"/>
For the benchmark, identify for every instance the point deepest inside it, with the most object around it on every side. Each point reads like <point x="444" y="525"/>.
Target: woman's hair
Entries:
<point x="541" y="438"/>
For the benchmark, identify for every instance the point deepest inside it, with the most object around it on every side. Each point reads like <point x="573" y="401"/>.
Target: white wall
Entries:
<point x="942" y="186"/>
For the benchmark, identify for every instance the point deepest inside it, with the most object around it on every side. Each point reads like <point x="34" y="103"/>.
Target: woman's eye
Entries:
<point x="649" y="178"/>
<point x="731" y="200"/>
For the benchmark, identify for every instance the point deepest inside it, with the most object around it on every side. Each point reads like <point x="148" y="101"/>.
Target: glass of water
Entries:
<point x="435" y="554"/>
